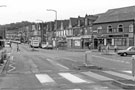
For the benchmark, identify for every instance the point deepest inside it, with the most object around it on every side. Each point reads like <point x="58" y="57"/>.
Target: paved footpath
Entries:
<point x="8" y="52"/>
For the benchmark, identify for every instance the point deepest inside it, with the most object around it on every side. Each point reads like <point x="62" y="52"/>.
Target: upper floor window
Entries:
<point x="120" y="28"/>
<point x="99" y="29"/>
<point x="131" y="28"/>
<point x="109" y="29"/>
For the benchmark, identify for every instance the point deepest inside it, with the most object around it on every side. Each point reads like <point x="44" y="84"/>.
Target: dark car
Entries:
<point x="129" y="51"/>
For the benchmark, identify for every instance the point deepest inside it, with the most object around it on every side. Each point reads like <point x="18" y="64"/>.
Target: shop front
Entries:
<point x="74" y="42"/>
<point x="86" y="40"/>
<point x="121" y="40"/>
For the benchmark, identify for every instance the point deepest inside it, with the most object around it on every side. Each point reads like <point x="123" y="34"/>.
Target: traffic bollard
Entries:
<point x="133" y="67"/>
<point x="86" y="57"/>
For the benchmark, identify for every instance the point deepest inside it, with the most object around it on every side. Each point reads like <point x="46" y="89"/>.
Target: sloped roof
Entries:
<point x="119" y="14"/>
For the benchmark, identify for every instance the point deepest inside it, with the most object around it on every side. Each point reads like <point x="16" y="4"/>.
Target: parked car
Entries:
<point x="129" y="51"/>
<point x="45" y="46"/>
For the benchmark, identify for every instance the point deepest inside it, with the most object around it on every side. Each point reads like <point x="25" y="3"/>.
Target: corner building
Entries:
<point x="116" y="27"/>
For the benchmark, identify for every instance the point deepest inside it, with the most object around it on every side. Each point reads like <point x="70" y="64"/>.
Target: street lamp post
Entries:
<point x="53" y="11"/>
<point x="4" y="36"/>
<point x="55" y="20"/>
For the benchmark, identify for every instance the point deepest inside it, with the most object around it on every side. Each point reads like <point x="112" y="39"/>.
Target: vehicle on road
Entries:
<point x="47" y="46"/>
<point x="35" y="42"/>
<point x="129" y="51"/>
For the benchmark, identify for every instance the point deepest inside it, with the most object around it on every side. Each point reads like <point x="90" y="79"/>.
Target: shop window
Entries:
<point x="120" y="28"/>
<point x="109" y="41"/>
<point x="131" y="28"/>
<point x="120" y="41"/>
<point x="109" y="29"/>
<point x="131" y="43"/>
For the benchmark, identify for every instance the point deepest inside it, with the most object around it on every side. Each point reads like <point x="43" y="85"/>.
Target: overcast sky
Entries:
<point x="33" y="10"/>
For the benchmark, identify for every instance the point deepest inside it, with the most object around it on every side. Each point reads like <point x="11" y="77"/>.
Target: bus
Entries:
<point x="35" y="42"/>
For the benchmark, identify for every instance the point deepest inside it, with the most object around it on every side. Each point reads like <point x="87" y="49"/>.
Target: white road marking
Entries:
<point x="44" y="78"/>
<point x="130" y="72"/>
<point x="69" y="59"/>
<point x="55" y="63"/>
<point x="62" y="66"/>
<point x="72" y="78"/>
<point x="97" y="76"/>
<point x="119" y="74"/>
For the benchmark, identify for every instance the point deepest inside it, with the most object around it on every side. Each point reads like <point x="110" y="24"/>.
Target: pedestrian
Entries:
<point x="89" y="46"/>
<point x="115" y="48"/>
<point x="18" y="47"/>
<point x="107" y="48"/>
<point x="99" y="48"/>
<point x="10" y="44"/>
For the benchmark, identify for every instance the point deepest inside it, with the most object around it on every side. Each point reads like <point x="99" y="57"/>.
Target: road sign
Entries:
<point x="133" y="66"/>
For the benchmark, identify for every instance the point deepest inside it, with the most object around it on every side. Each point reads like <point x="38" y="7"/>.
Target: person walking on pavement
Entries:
<point x="10" y="45"/>
<point x="18" y="47"/>
<point x="115" y="48"/>
<point x="107" y="48"/>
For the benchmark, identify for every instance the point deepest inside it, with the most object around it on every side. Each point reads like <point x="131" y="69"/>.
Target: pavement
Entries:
<point x="2" y="66"/>
<point x="110" y="52"/>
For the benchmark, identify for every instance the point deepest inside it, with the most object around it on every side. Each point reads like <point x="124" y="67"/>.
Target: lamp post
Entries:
<point x="53" y="11"/>
<point x="4" y="35"/>
<point x="55" y="23"/>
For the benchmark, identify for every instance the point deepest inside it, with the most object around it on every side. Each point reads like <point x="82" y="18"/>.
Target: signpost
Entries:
<point x="133" y="67"/>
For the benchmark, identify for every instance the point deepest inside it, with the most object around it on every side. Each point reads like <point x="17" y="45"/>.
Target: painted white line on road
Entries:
<point x="111" y="59"/>
<point x="119" y="74"/>
<point x="62" y="66"/>
<point x="130" y="72"/>
<point x="44" y="78"/>
<point x="55" y="63"/>
<point x="69" y="59"/>
<point x="97" y="76"/>
<point x="72" y="78"/>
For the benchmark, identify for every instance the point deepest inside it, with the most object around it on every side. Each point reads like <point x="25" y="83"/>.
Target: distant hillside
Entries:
<point x="13" y="26"/>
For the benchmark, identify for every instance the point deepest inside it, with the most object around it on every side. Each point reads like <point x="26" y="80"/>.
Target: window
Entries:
<point x="120" y="28"/>
<point x="109" y="29"/>
<point x="131" y="43"/>
<point x="120" y="41"/>
<point x="131" y="28"/>
<point x="99" y="29"/>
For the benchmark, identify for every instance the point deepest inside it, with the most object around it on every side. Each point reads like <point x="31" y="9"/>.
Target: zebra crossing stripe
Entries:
<point x="44" y="78"/>
<point x="130" y="72"/>
<point x="72" y="78"/>
<point x="118" y="74"/>
<point x="97" y="76"/>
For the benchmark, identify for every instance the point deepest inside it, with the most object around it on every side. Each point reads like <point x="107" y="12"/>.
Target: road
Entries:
<point x="63" y="70"/>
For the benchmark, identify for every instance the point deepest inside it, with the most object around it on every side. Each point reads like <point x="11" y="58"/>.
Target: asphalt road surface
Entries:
<point x="63" y="70"/>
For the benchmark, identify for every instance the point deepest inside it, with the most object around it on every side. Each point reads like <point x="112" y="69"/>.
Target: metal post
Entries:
<point x="133" y="67"/>
<point x="86" y="59"/>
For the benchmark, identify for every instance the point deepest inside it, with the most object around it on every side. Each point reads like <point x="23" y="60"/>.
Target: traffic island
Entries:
<point x="88" y="67"/>
<point x="125" y="84"/>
